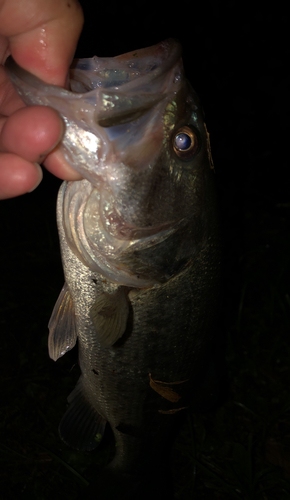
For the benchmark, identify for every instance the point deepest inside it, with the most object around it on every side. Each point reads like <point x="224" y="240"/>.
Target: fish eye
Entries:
<point x="185" y="143"/>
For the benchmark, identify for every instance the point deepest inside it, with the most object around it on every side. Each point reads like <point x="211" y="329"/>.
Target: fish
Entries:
<point x="140" y="248"/>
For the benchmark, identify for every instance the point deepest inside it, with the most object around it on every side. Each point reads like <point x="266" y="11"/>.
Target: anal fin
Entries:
<point x="81" y="427"/>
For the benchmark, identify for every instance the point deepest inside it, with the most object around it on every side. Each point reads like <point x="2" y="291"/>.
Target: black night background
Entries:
<point x="237" y="59"/>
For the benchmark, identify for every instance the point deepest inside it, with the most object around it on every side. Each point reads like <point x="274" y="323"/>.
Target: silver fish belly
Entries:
<point x="140" y="248"/>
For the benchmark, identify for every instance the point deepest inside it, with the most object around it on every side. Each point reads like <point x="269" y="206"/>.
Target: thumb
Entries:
<point x="42" y="35"/>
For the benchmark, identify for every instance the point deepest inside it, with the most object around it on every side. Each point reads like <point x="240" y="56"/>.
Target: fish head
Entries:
<point x="134" y="129"/>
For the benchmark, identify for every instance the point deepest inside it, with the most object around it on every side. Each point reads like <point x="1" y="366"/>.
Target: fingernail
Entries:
<point x="40" y="176"/>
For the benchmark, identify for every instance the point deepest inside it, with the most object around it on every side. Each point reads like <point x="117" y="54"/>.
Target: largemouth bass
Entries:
<point x="140" y="249"/>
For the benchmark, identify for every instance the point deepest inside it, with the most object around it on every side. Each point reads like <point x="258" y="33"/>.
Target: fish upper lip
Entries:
<point x="139" y="67"/>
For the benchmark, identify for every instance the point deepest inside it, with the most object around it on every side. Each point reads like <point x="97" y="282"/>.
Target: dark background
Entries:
<point x="237" y="59"/>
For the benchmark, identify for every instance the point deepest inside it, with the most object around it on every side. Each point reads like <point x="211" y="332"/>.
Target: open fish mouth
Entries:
<point x="107" y="109"/>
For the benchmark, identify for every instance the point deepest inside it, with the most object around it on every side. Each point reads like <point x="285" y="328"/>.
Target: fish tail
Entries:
<point x="81" y="427"/>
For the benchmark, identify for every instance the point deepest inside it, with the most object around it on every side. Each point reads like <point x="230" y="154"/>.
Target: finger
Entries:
<point x="58" y="166"/>
<point x="32" y="133"/>
<point x="42" y="35"/>
<point x="17" y="176"/>
<point x="10" y="101"/>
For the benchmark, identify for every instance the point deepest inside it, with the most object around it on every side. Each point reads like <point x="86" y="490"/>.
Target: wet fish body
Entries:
<point x="140" y="249"/>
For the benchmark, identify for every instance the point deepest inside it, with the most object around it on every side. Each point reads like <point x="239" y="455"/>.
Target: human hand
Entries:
<point x="42" y="36"/>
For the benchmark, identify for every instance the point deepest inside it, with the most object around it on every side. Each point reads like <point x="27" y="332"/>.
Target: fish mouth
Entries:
<point x="129" y="94"/>
<point x="111" y="106"/>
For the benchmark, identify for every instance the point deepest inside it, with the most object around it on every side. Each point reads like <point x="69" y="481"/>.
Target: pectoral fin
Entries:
<point x="62" y="328"/>
<point x="109" y="315"/>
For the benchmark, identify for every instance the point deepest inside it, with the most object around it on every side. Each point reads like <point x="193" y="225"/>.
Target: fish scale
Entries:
<point x="167" y="350"/>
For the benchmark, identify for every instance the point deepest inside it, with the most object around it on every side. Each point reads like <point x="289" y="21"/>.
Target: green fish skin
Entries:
<point x="140" y="247"/>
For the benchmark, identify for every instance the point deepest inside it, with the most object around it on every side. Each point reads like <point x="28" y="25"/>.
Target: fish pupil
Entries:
<point x="183" y="141"/>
